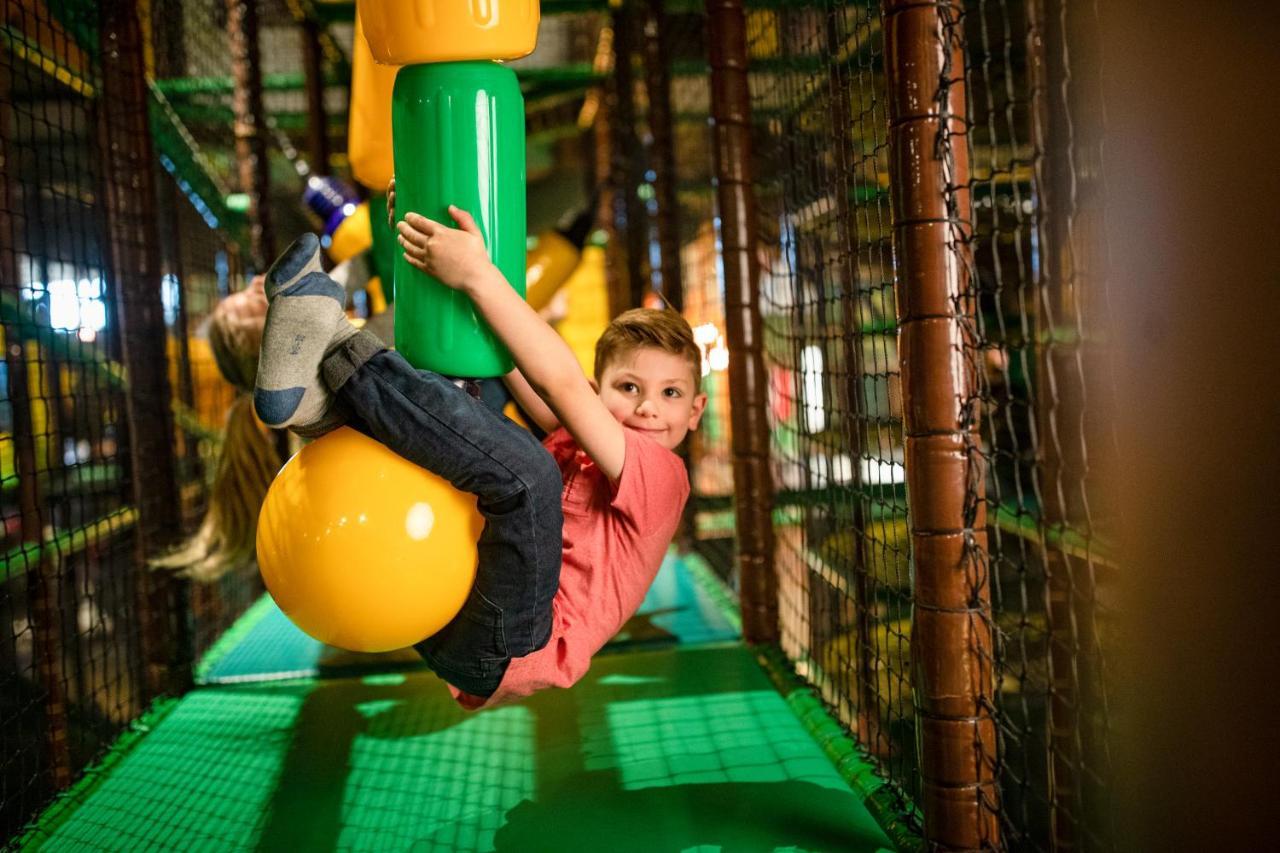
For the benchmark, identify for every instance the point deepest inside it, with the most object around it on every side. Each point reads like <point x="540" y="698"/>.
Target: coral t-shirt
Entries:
<point x="614" y="541"/>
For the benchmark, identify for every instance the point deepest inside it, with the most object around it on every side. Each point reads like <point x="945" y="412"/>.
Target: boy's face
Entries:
<point x="653" y="391"/>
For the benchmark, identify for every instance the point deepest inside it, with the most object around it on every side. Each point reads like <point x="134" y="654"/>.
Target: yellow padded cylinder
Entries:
<point x="547" y="267"/>
<point x="409" y="32"/>
<point x="369" y="127"/>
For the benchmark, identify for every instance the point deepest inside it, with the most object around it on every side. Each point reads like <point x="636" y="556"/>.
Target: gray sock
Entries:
<point x="297" y="261"/>
<point x="305" y="319"/>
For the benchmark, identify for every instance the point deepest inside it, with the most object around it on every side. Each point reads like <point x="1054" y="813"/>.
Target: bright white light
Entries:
<point x="76" y="304"/>
<point x="718" y="358"/>
<point x="815" y="411"/>
<point x="714" y="354"/>
<point x="824" y="470"/>
<point x="706" y="334"/>
<point x="93" y="313"/>
<point x="348" y="209"/>
<point x="827" y="470"/>
<point x="64" y="305"/>
<point x="170" y="295"/>
<point x="882" y="472"/>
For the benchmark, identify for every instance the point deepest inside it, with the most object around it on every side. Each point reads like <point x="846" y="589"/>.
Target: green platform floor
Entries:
<point x="676" y="746"/>
<point x="680" y="608"/>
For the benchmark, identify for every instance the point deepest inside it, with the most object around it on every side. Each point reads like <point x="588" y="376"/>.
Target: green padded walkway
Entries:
<point x="680" y="607"/>
<point x="687" y="747"/>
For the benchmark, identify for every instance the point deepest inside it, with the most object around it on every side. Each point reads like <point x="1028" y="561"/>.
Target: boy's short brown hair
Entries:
<point x="662" y="329"/>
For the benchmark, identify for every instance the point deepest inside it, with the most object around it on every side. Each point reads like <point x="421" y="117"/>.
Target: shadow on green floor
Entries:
<point x="306" y="810"/>
<point x="593" y="814"/>
<point x="653" y="751"/>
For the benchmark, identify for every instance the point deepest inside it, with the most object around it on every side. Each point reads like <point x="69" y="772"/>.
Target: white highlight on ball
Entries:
<point x="419" y="521"/>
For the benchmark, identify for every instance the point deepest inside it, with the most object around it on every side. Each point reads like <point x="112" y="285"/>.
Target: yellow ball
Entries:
<point x="364" y="550"/>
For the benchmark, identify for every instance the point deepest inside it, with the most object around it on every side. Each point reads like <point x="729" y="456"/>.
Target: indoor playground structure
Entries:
<point x="885" y="621"/>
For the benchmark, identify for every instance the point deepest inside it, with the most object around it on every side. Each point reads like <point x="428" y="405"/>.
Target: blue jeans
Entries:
<point x="435" y="424"/>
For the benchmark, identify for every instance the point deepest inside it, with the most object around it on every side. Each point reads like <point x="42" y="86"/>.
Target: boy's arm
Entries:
<point x="551" y="370"/>
<point x="529" y="401"/>
<point x="457" y="258"/>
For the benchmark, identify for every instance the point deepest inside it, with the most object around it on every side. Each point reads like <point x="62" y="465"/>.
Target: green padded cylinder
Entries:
<point x="459" y="138"/>
<point x="382" y="258"/>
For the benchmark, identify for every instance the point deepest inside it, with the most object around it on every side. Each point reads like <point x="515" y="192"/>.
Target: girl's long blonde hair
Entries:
<point x="247" y="460"/>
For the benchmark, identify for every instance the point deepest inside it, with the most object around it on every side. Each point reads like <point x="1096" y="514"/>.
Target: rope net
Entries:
<point x="835" y="395"/>
<point x="91" y="274"/>
<point x="139" y="191"/>
<point x="199" y="57"/>
<point x="71" y="670"/>
<point x="1038" y="353"/>
<point x="113" y="232"/>
<point x="710" y="453"/>
<point x="1026" y="338"/>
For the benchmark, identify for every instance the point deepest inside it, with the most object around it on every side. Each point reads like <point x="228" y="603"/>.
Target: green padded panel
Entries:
<point x="677" y="609"/>
<point x="678" y="749"/>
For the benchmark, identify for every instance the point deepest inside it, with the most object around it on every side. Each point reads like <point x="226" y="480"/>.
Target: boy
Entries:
<point x="575" y="528"/>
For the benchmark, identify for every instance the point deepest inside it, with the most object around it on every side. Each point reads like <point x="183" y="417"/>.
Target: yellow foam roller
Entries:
<point x="410" y="32"/>
<point x="548" y="266"/>
<point x="369" y="126"/>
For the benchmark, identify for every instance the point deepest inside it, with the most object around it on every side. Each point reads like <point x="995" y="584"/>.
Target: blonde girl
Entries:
<point x="247" y="460"/>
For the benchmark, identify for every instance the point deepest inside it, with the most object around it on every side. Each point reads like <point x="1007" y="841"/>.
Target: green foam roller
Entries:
<point x="382" y="257"/>
<point x="459" y="139"/>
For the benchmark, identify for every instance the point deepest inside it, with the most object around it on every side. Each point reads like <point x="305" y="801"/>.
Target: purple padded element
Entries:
<point x="328" y="197"/>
